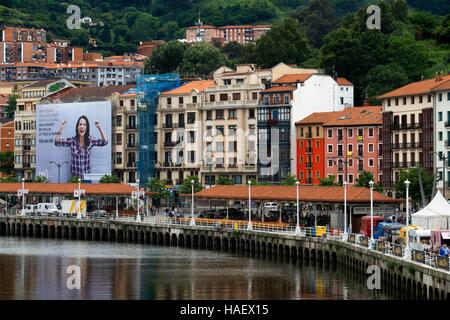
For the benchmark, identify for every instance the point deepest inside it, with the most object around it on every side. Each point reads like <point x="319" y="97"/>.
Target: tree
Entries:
<point x="424" y="23"/>
<point x="145" y="27"/>
<point x="10" y="108"/>
<point x="41" y="179"/>
<point x="224" y="180"/>
<point x="365" y="178"/>
<point x="168" y="30"/>
<point x="330" y="181"/>
<point x="73" y="179"/>
<point x="289" y="180"/>
<point x="202" y="59"/>
<point x="109" y="179"/>
<point x="166" y="58"/>
<point x="158" y="186"/>
<point x="318" y="19"/>
<point x="443" y="32"/>
<point x="285" y="42"/>
<point x="7" y="162"/>
<point x="233" y="50"/>
<point x="186" y="185"/>
<point x="384" y="78"/>
<point x="414" y="188"/>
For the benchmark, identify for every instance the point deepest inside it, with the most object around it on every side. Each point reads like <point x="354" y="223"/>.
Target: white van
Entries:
<point x="47" y="209"/>
<point x="30" y="209"/>
<point x="419" y="239"/>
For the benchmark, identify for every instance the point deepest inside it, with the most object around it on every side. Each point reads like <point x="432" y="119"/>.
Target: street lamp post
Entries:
<point x="22" y="192"/>
<point x="77" y="193"/>
<point x="297" y="228"/>
<point x="59" y="165"/>
<point x="371" y="183"/>
<point x="138" y="215"/>
<point x="407" y="183"/>
<point x="345" y="207"/>
<point x="192" y="204"/>
<point x="249" y="225"/>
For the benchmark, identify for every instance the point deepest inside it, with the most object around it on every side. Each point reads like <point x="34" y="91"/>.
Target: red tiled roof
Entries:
<point x="67" y="188"/>
<point x="343" y="82"/>
<point x="293" y="78"/>
<point x="356" y="116"/>
<point x="420" y="87"/>
<point x="280" y="89"/>
<point x="199" y="85"/>
<point x="316" y="117"/>
<point x="333" y="194"/>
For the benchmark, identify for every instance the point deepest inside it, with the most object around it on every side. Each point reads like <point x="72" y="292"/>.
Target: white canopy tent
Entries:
<point x="436" y="215"/>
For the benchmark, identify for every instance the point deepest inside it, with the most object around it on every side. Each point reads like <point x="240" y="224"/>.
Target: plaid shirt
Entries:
<point x="80" y="162"/>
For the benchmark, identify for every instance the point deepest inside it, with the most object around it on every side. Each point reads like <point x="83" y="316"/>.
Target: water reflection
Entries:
<point x="36" y="269"/>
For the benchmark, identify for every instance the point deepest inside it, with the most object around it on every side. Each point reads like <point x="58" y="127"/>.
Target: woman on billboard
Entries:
<point x="81" y="145"/>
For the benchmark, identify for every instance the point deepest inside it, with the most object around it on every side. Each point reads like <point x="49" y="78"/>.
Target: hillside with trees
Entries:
<point x="414" y="40"/>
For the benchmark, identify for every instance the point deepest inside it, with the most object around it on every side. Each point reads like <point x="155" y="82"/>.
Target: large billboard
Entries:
<point x="73" y="139"/>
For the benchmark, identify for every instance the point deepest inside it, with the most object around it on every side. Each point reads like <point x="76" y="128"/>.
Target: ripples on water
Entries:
<point x="36" y="269"/>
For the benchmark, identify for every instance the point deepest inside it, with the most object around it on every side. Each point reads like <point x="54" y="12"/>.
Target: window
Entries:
<point x="440" y="135"/>
<point x="212" y="98"/>
<point x="404" y="100"/>
<point x="439" y="116"/>
<point x="254" y="95"/>
<point x="440" y="96"/>
<point x="360" y="134"/>
<point x="232" y="130"/>
<point x="420" y="99"/>
<point x="227" y="82"/>
<point x="169" y="101"/>
<point x="208" y="131"/>
<point x="191" y="117"/>
<point x="180" y="101"/>
<point x="370" y="147"/>
<point x="330" y="148"/>
<point x="389" y="102"/>
<point x="317" y="174"/>
<point x="118" y="139"/>
<point x="251" y="114"/>
<point x="118" y="157"/>
<point x="236" y="96"/>
<point x="191" y="156"/>
<point x="350" y="178"/>
<point x="286" y="99"/>
<point x="209" y="115"/>
<point x="223" y="97"/>
<point x="412" y="100"/>
<point x="219" y="131"/>
<point x="219" y="115"/>
<point x="266" y="100"/>
<point x="370" y="162"/>
<point x="350" y="132"/>
<point x="429" y="98"/>
<point x="370" y="132"/>
<point x="330" y="133"/>
<point x="194" y="99"/>
<point x="342" y="100"/>
<point x="191" y="137"/>
<point x="317" y="159"/>
<point x="232" y="146"/>
<point x="448" y="96"/>
<point x="232" y="114"/>
<point x="121" y="103"/>
<point x="396" y="101"/>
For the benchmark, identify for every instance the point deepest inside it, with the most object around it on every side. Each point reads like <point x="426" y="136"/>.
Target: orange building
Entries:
<point x="7" y="137"/>
<point x="311" y="148"/>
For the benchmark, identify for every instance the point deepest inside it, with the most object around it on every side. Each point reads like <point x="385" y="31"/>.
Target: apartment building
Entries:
<point x="311" y="148"/>
<point x="179" y="131"/>
<point x="124" y="141"/>
<point x="412" y="131"/>
<point x="352" y="141"/>
<point x="287" y="99"/>
<point x="242" y="34"/>
<point x="25" y="123"/>
<point x="19" y="34"/>
<point x="7" y="136"/>
<point x="230" y="124"/>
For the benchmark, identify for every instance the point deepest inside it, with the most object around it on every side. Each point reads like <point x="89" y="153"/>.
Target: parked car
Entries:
<point x="99" y="214"/>
<point x="47" y="209"/>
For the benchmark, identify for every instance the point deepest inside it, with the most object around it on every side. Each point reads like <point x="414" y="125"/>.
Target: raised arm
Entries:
<point x="58" y="141"/>
<point x="102" y="141"/>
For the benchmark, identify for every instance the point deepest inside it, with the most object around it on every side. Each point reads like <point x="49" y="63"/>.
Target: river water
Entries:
<point x="37" y="269"/>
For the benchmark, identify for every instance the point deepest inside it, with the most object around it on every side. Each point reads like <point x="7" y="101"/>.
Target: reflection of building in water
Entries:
<point x="8" y="276"/>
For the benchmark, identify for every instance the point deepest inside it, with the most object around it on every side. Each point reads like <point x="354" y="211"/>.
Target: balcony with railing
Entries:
<point x="26" y="147"/>
<point x="308" y="149"/>
<point x="309" y="164"/>
<point x="131" y="144"/>
<point x="405" y="126"/>
<point x="406" y="145"/>
<point x="170" y="125"/>
<point x="170" y="144"/>
<point x="131" y="164"/>
<point x="402" y="164"/>
<point x="131" y="126"/>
